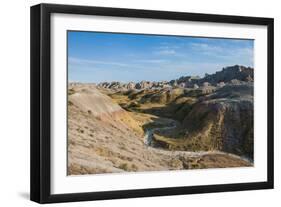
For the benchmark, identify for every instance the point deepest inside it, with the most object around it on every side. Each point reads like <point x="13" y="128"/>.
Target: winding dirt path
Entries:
<point x="148" y="137"/>
<point x="172" y="124"/>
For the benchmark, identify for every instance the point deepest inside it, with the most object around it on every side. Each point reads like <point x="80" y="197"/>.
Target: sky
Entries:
<point x="95" y="57"/>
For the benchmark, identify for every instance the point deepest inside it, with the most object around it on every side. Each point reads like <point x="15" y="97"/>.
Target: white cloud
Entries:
<point x="166" y="52"/>
<point x="94" y="63"/>
<point x="243" y="54"/>
<point x="156" y="61"/>
<point x="206" y="48"/>
<point x="79" y="61"/>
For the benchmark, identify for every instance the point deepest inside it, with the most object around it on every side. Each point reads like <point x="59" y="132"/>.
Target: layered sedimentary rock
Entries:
<point x="238" y="72"/>
<point x="234" y="73"/>
<point x="105" y="138"/>
<point x="214" y="115"/>
<point x="222" y="121"/>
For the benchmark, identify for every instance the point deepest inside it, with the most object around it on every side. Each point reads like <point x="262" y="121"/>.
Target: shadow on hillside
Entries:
<point x="165" y="127"/>
<point x="176" y="111"/>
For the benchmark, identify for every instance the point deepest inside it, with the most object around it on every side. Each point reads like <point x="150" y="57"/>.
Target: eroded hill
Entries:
<point x="107" y="129"/>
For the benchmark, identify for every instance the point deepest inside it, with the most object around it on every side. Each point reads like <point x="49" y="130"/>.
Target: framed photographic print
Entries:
<point x="133" y="103"/>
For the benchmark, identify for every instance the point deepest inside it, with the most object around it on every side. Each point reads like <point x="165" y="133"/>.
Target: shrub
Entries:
<point x="124" y="166"/>
<point x="80" y="130"/>
<point x="71" y="91"/>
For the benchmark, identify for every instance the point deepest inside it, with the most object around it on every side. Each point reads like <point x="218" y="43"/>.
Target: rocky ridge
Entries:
<point x="232" y="74"/>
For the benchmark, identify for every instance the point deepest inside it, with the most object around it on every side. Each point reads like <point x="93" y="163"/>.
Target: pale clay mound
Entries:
<point x="98" y="103"/>
<point x="103" y="138"/>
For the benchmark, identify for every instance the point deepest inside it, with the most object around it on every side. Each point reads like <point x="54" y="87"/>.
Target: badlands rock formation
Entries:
<point x="226" y="75"/>
<point x="103" y="138"/>
<point x="191" y="122"/>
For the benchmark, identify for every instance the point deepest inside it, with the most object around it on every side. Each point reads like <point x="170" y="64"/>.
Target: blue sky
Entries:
<point x="97" y="57"/>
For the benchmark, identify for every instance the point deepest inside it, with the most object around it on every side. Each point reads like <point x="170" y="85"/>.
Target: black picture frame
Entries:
<point x="41" y="98"/>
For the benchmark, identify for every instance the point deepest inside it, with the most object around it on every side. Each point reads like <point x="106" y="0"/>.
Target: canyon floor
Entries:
<point x="113" y="131"/>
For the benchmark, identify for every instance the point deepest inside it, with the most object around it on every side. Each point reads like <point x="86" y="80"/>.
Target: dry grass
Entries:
<point x="113" y="142"/>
